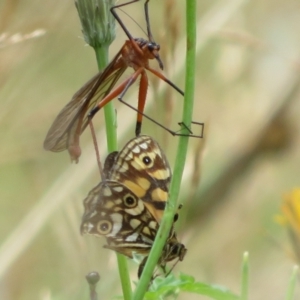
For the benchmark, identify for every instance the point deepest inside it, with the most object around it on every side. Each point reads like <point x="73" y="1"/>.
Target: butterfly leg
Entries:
<point x="141" y="267"/>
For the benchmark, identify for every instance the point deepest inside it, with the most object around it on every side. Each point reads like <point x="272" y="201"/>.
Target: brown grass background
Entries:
<point x="247" y="93"/>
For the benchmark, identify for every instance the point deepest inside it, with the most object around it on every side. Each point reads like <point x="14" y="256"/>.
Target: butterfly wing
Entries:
<point x="144" y="169"/>
<point x="126" y="208"/>
<point x="115" y="212"/>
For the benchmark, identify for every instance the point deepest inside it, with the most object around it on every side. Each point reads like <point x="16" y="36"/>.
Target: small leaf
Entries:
<point x="163" y="287"/>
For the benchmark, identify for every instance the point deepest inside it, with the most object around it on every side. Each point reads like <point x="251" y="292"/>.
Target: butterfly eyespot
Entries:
<point x="147" y="160"/>
<point x="104" y="227"/>
<point x="130" y="201"/>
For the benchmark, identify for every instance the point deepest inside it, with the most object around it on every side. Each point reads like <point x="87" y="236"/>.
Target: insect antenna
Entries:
<point x="134" y="21"/>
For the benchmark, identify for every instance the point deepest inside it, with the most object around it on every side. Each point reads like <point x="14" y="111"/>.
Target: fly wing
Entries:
<point x="71" y="121"/>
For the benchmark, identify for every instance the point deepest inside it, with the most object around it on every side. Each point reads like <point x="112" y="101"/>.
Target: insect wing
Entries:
<point x="73" y="118"/>
<point x="143" y="167"/>
<point x="113" y="211"/>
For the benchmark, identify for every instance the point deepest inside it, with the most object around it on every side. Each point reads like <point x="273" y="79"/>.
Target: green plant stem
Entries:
<point x="292" y="284"/>
<point x="245" y="277"/>
<point x="109" y="112"/>
<point x="111" y="136"/>
<point x="170" y="210"/>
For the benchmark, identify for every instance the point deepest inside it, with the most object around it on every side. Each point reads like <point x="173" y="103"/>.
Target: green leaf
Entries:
<point x="172" y="286"/>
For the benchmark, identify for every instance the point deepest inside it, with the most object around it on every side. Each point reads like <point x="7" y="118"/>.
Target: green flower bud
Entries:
<point x="98" y="23"/>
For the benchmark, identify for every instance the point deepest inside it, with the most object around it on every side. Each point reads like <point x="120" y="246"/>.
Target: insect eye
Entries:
<point x="175" y="250"/>
<point x="130" y="201"/>
<point x="104" y="227"/>
<point x="150" y="47"/>
<point x="153" y="46"/>
<point x="147" y="160"/>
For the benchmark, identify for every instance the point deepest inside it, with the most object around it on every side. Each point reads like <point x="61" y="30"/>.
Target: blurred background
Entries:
<point x="247" y="93"/>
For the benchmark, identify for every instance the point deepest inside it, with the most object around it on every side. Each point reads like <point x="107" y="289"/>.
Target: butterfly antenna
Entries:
<point x="96" y="149"/>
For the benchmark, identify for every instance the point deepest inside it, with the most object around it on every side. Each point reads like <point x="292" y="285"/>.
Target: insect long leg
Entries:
<point x="174" y="133"/>
<point x="149" y="33"/>
<point x="119" y="90"/>
<point x="161" y="76"/>
<point x="96" y="149"/>
<point x="73" y="140"/>
<point x="141" y="102"/>
<point x="116" y="16"/>
<point x="64" y="133"/>
<point x="150" y="37"/>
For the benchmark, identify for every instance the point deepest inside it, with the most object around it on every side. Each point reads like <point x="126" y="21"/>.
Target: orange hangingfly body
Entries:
<point x="66" y="129"/>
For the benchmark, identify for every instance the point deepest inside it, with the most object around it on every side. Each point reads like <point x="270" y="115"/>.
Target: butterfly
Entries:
<point x="127" y="206"/>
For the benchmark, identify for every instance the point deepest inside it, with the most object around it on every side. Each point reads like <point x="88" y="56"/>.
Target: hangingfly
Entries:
<point x="64" y="134"/>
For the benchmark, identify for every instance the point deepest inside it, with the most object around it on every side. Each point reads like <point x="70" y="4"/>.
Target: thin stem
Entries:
<point x="292" y="284"/>
<point x="109" y="111"/>
<point x="245" y="277"/>
<point x="111" y="136"/>
<point x="167" y="220"/>
<point x="98" y="27"/>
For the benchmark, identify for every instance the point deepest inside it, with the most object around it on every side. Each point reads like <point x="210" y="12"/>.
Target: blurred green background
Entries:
<point x="247" y="93"/>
